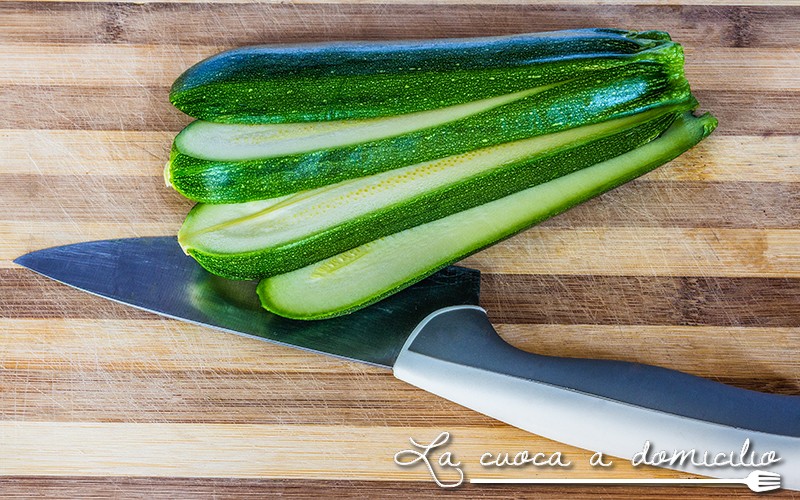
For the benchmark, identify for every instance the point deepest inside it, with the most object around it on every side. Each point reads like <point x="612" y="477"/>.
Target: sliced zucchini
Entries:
<point x="234" y="163"/>
<point x="268" y="237"/>
<point x="365" y="274"/>
<point x="231" y="142"/>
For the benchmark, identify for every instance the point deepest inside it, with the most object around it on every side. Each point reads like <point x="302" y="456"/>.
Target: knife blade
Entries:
<point x="434" y="335"/>
<point x="155" y="275"/>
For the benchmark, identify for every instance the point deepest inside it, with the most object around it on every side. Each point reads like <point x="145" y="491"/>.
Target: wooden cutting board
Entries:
<point x="694" y="267"/>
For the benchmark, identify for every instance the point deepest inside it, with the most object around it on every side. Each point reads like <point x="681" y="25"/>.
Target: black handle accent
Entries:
<point x="467" y="337"/>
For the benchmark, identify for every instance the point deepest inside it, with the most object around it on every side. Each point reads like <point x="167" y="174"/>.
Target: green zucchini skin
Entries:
<point x="426" y="207"/>
<point x="608" y="94"/>
<point x="353" y="80"/>
<point x="320" y="290"/>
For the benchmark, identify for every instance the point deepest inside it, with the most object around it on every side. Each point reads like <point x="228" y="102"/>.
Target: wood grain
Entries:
<point x="153" y="344"/>
<point x="646" y="251"/>
<point x="694" y="267"/>
<point x="262" y="450"/>
<point x="746" y="158"/>
<point x="609" y="251"/>
<point x="158" y="488"/>
<point x="642" y="300"/>
<point x="114" y="65"/>
<point x="177" y="373"/>
<point x="145" y="108"/>
<point x="206" y="23"/>
<point x="516" y="298"/>
<point x="641" y="203"/>
<point x="108" y="152"/>
<point x="460" y="3"/>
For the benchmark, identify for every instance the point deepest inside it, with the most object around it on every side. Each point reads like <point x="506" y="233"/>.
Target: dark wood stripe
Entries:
<point x="148" y="108"/>
<point x="752" y="112"/>
<point x="157" y="488"/>
<point x="242" y="24"/>
<point x="689" y="204"/>
<point x="90" y="108"/>
<point x="641" y="300"/>
<point x="124" y="199"/>
<point x="532" y="299"/>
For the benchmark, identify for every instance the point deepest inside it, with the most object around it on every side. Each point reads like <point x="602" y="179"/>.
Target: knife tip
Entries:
<point x="21" y="260"/>
<point x="30" y="260"/>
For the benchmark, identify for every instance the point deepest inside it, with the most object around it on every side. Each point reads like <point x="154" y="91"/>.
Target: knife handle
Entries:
<point x="608" y="406"/>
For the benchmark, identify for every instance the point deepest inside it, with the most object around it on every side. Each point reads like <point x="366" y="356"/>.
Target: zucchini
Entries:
<point x="274" y="236"/>
<point x="358" y="80"/>
<point x="336" y="285"/>
<point x="233" y="163"/>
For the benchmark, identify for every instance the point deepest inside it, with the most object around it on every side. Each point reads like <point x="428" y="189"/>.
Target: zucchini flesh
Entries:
<point x="333" y="81"/>
<point x="240" y="142"/>
<point x="336" y="285"/>
<point x="263" y="238"/>
<point x="216" y="163"/>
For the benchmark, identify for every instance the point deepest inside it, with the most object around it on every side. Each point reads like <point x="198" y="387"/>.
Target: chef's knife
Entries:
<point x="436" y="337"/>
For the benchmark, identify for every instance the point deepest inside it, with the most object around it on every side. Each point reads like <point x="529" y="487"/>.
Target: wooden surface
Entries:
<point x="695" y="266"/>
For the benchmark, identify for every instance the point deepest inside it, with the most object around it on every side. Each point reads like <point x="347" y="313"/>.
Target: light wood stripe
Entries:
<point x="171" y="372"/>
<point x="98" y="64"/>
<point x="141" y="153"/>
<point x="84" y="152"/>
<point x="684" y="203"/>
<point x="148" y="109"/>
<point x="645" y="251"/>
<point x="640" y="203"/>
<point x="269" y="451"/>
<point x="741" y="69"/>
<point x="162" y="345"/>
<point x="152" y="345"/>
<point x="159" y="65"/>
<point x="615" y="251"/>
<point x="745" y="158"/>
<point x="17" y="238"/>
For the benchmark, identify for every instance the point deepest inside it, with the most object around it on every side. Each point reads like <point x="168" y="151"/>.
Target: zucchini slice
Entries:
<point x="367" y="273"/>
<point x="235" y="163"/>
<point x="356" y="80"/>
<point x="274" y="236"/>
<point x="240" y="142"/>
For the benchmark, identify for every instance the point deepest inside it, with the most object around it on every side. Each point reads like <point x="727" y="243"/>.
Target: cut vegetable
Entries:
<point x="367" y="273"/>
<point x="240" y="142"/>
<point x="234" y="163"/>
<point x="262" y="238"/>
<point x="333" y="81"/>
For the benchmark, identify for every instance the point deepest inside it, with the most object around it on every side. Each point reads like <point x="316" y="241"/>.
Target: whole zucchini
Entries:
<point x="231" y="163"/>
<point x="365" y="274"/>
<point x="268" y="237"/>
<point x="357" y="80"/>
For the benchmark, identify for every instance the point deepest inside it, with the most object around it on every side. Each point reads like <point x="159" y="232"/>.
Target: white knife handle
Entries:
<point x="608" y="406"/>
